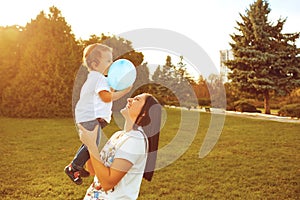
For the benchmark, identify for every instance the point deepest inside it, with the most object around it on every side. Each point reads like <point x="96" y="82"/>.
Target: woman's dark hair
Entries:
<point x="150" y="120"/>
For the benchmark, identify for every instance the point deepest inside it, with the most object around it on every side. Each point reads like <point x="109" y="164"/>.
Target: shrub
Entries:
<point x="204" y="101"/>
<point x="230" y="107"/>
<point x="244" y="106"/>
<point x="290" y="110"/>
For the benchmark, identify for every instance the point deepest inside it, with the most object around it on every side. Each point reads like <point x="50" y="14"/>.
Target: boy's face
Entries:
<point x="104" y="62"/>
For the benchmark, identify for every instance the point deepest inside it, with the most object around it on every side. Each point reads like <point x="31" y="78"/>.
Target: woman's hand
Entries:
<point x="88" y="137"/>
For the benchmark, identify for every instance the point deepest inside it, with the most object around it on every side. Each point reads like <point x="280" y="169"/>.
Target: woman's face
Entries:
<point x="134" y="107"/>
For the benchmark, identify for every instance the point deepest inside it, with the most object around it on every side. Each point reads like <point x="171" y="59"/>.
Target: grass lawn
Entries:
<point x="273" y="111"/>
<point x="253" y="159"/>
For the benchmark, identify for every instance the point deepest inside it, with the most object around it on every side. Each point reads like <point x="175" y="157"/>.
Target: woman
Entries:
<point x="129" y="155"/>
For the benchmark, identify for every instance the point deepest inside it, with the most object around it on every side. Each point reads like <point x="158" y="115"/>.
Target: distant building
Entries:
<point x="224" y="56"/>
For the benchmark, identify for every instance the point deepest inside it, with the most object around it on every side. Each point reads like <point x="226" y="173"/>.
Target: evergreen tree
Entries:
<point x="49" y="59"/>
<point x="265" y="60"/>
<point x="168" y="77"/>
<point x="164" y="83"/>
<point x="159" y="89"/>
<point x="122" y="48"/>
<point x="143" y="76"/>
<point x="157" y="75"/>
<point x="216" y="91"/>
<point x="176" y="86"/>
<point x="184" y="87"/>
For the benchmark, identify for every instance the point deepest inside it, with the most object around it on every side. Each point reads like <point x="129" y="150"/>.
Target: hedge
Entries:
<point x="290" y="110"/>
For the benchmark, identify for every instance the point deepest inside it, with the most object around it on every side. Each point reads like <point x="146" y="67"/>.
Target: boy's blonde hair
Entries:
<point x="92" y="53"/>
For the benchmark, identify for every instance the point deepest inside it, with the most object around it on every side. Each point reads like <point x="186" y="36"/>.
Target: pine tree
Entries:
<point x="216" y="91"/>
<point x="165" y="82"/>
<point x="265" y="60"/>
<point x="184" y="87"/>
<point x="157" y="75"/>
<point x="142" y="76"/>
<point x="174" y="84"/>
<point x="167" y="77"/>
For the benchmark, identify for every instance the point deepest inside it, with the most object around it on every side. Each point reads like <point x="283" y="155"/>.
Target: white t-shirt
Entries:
<point x="90" y="106"/>
<point x="130" y="146"/>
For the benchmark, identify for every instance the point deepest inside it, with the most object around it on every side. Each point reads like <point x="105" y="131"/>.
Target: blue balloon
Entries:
<point x="121" y="74"/>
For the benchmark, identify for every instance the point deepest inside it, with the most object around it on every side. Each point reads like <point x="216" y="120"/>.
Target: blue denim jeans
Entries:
<point x="82" y="154"/>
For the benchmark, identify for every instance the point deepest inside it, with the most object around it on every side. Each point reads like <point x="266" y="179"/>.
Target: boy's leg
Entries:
<point x="75" y="169"/>
<point x="82" y="154"/>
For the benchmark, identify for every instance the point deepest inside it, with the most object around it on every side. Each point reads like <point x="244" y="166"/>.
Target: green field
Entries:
<point x="253" y="159"/>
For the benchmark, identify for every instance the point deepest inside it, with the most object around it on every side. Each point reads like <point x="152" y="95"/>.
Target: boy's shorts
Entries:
<point x="102" y="122"/>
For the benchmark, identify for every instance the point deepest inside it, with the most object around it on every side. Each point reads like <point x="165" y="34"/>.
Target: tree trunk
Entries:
<point x="267" y="102"/>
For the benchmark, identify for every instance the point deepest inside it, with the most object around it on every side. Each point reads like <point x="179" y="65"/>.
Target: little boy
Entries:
<point x="95" y="103"/>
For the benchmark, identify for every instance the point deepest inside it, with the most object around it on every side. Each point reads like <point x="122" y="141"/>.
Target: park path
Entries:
<point x="264" y="116"/>
<point x="244" y="114"/>
<point x="252" y="115"/>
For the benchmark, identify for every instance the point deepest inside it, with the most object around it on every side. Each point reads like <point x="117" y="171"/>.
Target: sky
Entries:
<point x="206" y="23"/>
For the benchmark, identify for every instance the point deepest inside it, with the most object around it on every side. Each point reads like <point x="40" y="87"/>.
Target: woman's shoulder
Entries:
<point x="130" y="137"/>
<point x="136" y="133"/>
<point x="117" y="133"/>
<point x="137" y="140"/>
<point x="132" y="146"/>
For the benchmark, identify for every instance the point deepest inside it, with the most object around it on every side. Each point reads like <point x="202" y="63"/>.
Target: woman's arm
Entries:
<point x="108" y="176"/>
<point x="89" y="167"/>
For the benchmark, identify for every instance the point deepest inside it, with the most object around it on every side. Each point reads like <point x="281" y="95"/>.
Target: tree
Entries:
<point x="142" y="77"/>
<point x="265" y="60"/>
<point x="201" y="88"/>
<point x="215" y="87"/>
<point x="165" y="83"/>
<point x="10" y="55"/>
<point x="178" y="83"/>
<point x="182" y="74"/>
<point x="49" y="59"/>
<point x="167" y="77"/>
<point x="157" y="75"/>
<point x="184" y="88"/>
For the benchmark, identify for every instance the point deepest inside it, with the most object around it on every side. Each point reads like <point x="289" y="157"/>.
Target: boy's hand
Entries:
<point x="128" y="89"/>
<point x="118" y="94"/>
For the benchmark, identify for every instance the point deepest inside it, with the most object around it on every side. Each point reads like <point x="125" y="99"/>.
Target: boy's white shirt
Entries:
<point x="90" y="106"/>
